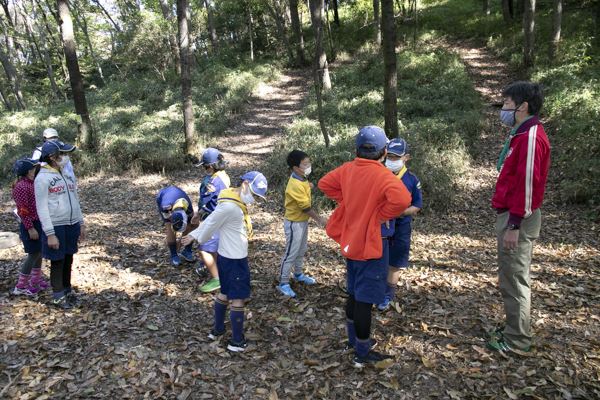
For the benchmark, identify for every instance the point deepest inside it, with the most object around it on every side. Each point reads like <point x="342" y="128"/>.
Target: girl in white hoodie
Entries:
<point x="58" y="208"/>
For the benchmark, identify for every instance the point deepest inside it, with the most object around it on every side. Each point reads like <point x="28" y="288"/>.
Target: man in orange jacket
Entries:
<point x="367" y="195"/>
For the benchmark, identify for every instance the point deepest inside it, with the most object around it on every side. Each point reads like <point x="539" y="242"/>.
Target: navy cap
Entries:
<point x="209" y="156"/>
<point x="179" y="220"/>
<point x="55" y="146"/>
<point x="24" y="165"/>
<point x="398" y="147"/>
<point x="371" y="138"/>
<point x="257" y="181"/>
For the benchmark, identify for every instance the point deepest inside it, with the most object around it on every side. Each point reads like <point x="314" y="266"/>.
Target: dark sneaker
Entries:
<point x="62" y="302"/>
<point x="73" y="299"/>
<point x="500" y="345"/>
<point x="188" y="255"/>
<point x="237" y="347"/>
<point x="349" y="347"/>
<point x="372" y="357"/>
<point x="201" y="271"/>
<point x="214" y="335"/>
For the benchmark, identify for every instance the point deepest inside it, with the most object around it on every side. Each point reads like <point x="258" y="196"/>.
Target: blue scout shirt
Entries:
<point x="413" y="185"/>
<point x="173" y="197"/>
<point x="210" y="187"/>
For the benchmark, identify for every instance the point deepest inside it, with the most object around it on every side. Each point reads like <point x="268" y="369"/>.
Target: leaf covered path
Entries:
<point x="142" y="330"/>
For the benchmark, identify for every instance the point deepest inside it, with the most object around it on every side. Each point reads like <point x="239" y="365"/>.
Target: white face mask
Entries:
<point x="247" y="197"/>
<point x="64" y="160"/>
<point x="307" y="170"/>
<point x="395" y="165"/>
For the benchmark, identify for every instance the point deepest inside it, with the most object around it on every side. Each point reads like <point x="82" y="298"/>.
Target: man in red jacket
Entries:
<point x="367" y="194"/>
<point x="523" y="166"/>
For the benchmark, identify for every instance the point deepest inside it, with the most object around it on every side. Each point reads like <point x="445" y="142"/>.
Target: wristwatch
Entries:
<point x="513" y="227"/>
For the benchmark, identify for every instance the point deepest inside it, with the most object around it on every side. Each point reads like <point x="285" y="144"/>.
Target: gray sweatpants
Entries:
<point x="296" y="244"/>
<point x="513" y="276"/>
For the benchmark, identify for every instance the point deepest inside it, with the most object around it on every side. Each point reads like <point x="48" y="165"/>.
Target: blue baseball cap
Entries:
<point x="398" y="147"/>
<point x="179" y="220"/>
<point x="24" y="165"/>
<point x="209" y="156"/>
<point x="55" y="146"/>
<point x="371" y="138"/>
<point x="257" y="181"/>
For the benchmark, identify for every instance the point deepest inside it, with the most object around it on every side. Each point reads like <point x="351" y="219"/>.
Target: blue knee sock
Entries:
<point x="189" y="247"/>
<point x="173" y="249"/>
<point x="362" y="347"/>
<point x="351" y="332"/>
<point x="220" y="309"/>
<point x="237" y="323"/>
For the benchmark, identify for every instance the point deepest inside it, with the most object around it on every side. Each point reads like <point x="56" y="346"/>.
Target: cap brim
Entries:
<point x="201" y="163"/>
<point x="396" y="153"/>
<point x="67" y="148"/>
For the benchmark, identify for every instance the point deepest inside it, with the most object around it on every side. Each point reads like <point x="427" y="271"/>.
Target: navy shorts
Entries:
<point x="211" y="245"/>
<point x="31" y="246"/>
<point x="366" y="280"/>
<point x="234" y="275"/>
<point x="68" y="236"/>
<point x="400" y="246"/>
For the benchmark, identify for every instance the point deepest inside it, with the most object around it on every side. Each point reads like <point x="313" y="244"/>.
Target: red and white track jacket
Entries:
<point x="522" y="181"/>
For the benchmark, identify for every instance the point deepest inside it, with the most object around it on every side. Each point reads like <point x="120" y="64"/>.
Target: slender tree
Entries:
<point x="297" y="38"/>
<point x="86" y="132"/>
<point x="13" y="78"/>
<point x="377" y="21"/>
<point x="81" y="20"/>
<point x="183" y="15"/>
<point x="320" y="64"/>
<point x="391" y="77"/>
<point x="168" y="16"/>
<point x="556" y="27"/>
<point x="212" y="30"/>
<point x="507" y="11"/>
<point x="277" y="10"/>
<point x="486" y="7"/>
<point x="528" y="29"/>
<point x="250" y="30"/>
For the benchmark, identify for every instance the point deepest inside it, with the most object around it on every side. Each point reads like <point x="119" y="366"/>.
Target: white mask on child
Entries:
<point x="307" y="170"/>
<point x="64" y="160"/>
<point x="395" y="165"/>
<point x="247" y="197"/>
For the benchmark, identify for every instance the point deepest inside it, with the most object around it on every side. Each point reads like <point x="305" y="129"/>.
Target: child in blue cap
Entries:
<point x="57" y="205"/>
<point x="30" y="280"/>
<point x="231" y="219"/>
<point x="216" y="179"/>
<point x="397" y="156"/>
<point x="176" y="210"/>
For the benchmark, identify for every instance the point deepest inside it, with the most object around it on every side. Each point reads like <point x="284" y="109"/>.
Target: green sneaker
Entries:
<point x="500" y="344"/>
<point x="497" y="333"/>
<point x="210" y="286"/>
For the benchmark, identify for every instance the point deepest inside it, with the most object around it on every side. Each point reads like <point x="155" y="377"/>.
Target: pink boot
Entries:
<point x="37" y="279"/>
<point x="24" y="287"/>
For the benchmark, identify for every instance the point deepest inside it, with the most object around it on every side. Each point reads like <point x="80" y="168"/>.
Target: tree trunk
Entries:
<point x="86" y="132"/>
<point x="507" y="11"/>
<point x="336" y="15"/>
<point x="298" y="41"/>
<point x="556" y="27"/>
<point x="183" y="15"/>
<point x="377" y="21"/>
<point x="320" y="63"/>
<point x="107" y="15"/>
<point x="486" y="7"/>
<point x="277" y="14"/>
<point x="528" y="29"/>
<point x="46" y="58"/>
<point x="168" y="15"/>
<point x="82" y="21"/>
<point x="250" y="31"/>
<point x="391" y="77"/>
<point x="318" y="92"/>
<point x="214" y="42"/>
<point x="13" y="79"/>
<point x="5" y="99"/>
<point x="332" y="50"/>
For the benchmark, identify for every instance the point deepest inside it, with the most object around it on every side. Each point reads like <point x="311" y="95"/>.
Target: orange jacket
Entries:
<point x="367" y="194"/>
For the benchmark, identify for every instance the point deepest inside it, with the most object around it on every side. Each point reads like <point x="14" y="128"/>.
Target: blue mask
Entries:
<point x="508" y="117"/>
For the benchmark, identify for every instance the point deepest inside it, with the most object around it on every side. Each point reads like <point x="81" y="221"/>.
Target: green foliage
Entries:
<point x="571" y="79"/>
<point x="138" y="121"/>
<point x="438" y="108"/>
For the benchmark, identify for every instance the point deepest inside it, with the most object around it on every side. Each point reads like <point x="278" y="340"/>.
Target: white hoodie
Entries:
<point x="56" y="199"/>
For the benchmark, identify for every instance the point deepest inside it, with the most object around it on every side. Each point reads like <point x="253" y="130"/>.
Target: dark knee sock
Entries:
<point x="220" y="309"/>
<point x="362" y="320"/>
<point x="67" y="272"/>
<point x="172" y="248"/>
<point x="350" y="330"/>
<point x="236" y="316"/>
<point x="56" y="278"/>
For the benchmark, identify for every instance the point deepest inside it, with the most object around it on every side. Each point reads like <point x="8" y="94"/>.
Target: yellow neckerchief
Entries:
<point x="224" y="177"/>
<point x="181" y="203"/>
<point x="402" y="171"/>
<point x="231" y="195"/>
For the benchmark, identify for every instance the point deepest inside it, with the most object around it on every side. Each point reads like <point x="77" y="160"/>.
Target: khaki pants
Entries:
<point x="514" y="280"/>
